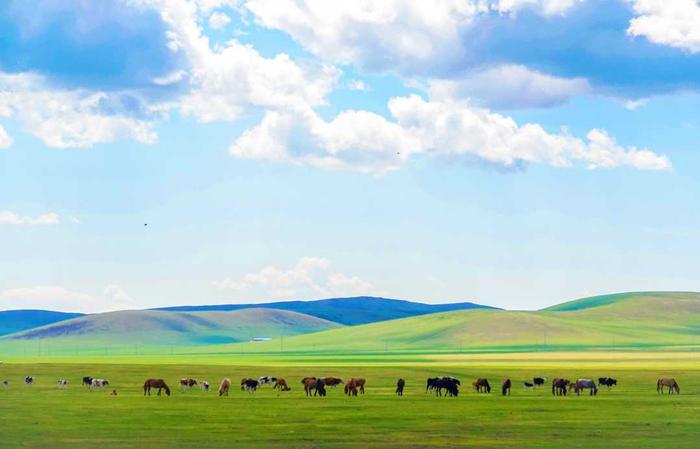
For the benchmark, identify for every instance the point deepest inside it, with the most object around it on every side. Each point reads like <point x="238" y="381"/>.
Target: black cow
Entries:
<point x="539" y="381"/>
<point x="399" y="387"/>
<point x="87" y="381"/>
<point x="251" y="385"/>
<point x="528" y="385"/>
<point x="607" y="381"/>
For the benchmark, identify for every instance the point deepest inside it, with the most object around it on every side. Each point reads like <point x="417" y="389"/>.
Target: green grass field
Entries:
<point x="629" y="416"/>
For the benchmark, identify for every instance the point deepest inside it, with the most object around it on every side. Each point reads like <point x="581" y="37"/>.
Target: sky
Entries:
<point x="516" y="153"/>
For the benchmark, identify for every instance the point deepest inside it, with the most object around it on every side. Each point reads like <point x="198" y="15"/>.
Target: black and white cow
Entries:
<point x="99" y="383"/>
<point x="267" y="380"/>
<point x="62" y="383"/>
<point x="205" y="385"/>
<point x="250" y="385"/>
<point x="539" y="381"/>
<point x="29" y="380"/>
<point x="87" y="381"/>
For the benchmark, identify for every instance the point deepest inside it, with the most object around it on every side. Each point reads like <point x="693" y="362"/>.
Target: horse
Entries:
<point x="187" y="382"/>
<point x="353" y="384"/>
<point x="505" y="388"/>
<point x="607" y="381"/>
<point x="400" y="384"/>
<point x="29" y="380"/>
<point x="482" y="385"/>
<point x="332" y="381"/>
<point x="312" y="383"/>
<point x="583" y="384"/>
<point x="667" y="382"/>
<point x="62" y="383"/>
<point x="559" y="387"/>
<point x="449" y="384"/>
<point x="87" y="381"/>
<point x="539" y="381"/>
<point x="205" y="385"/>
<point x="98" y="383"/>
<point x="281" y="384"/>
<point x="155" y="383"/>
<point x="225" y="386"/>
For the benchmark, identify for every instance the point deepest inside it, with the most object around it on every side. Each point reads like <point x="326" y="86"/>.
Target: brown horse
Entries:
<point x="505" y="388"/>
<point x="667" y="382"/>
<point x="559" y="387"/>
<point x="315" y="384"/>
<point x="482" y="385"/>
<point x="352" y="385"/>
<point x="281" y="384"/>
<point x="155" y="383"/>
<point x="225" y="386"/>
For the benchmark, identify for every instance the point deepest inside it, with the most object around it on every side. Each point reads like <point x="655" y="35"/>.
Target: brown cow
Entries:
<point x="187" y="382"/>
<point x="281" y="384"/>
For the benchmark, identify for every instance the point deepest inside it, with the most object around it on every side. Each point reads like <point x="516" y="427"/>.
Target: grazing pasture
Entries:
<point x="635" y="414"/>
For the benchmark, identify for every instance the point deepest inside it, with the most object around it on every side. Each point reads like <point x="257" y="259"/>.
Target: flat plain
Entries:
<point x="632" y="415"/>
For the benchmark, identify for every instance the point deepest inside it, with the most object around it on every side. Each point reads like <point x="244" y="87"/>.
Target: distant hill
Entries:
<point x="153" y="327"/>
<point x="630" y="320"/>
<point x="348" y="311"/>
<point x="12" y="321"/>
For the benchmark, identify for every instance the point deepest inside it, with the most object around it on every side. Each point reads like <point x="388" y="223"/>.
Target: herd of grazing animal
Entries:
<point x="317" y="386"/>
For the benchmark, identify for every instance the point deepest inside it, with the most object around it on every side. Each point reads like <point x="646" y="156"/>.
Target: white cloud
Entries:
<point x="673" y="23"/>
<point x="227" y="80"/>
<point x="633" y="105"/>
<point x="56" y="297"/>
<point x="366" y="142"/>
<point x="358" y="85"/>
<point x="219" y="20"/>
<point x="12" y="218"/>
<point x="66" y="118"/>
<point x="170" y="78"/>
<point x="510" y="86"/>
<point x="5" y="139"/>
<point x="310" y="276"/>
<point x="410" y="36"/>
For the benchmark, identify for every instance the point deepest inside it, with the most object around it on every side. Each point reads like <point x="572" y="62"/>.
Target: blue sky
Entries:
<point x="517" y="153"/>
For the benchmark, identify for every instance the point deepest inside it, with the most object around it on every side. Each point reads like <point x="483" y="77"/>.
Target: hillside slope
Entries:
<point x="348" y="311"/>
<point x="12" y="321"/>
<point x="150" y="327"/>
<point x="643" y="320"/>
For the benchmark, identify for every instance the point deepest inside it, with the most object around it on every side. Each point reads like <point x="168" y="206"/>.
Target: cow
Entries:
<point x="29" y="380"/>
<point x="528" y="385"/>
<point x="607" y="381"/>
<point x="62" y="383"/>
<point x="187" y="382"/>
<point x="539" y="381"/>
<point x="265" y="380"/>
<point x="250" y="385"/>
<point x="400" y="384"/>
<point x="87" y="381"/>
<point x="205" y="385"/>
<point x="99" y="383"/>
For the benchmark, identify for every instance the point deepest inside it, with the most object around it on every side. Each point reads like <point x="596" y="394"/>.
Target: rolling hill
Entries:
<point x="630" y="320"/>
<point x="348" y="311"/>
<point x="151" y="327"/>
<point x="12" y="321"/>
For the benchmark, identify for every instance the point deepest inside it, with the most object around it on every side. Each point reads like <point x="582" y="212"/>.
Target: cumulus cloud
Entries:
<point x="12" y="218"/>
<point x="56" y="297"/>
<point x="367" y="142"/>
<point x="67" y="118"/>
<point x="5" y="140"/>
<point x="219" y="20"/>
<point x="510" y="86"/>
<point x="672" y="23"/>
<point x="309" y="276"/>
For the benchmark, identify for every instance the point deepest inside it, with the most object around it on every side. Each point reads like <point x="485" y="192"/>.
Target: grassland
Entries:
<point x="630" y="416"/>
